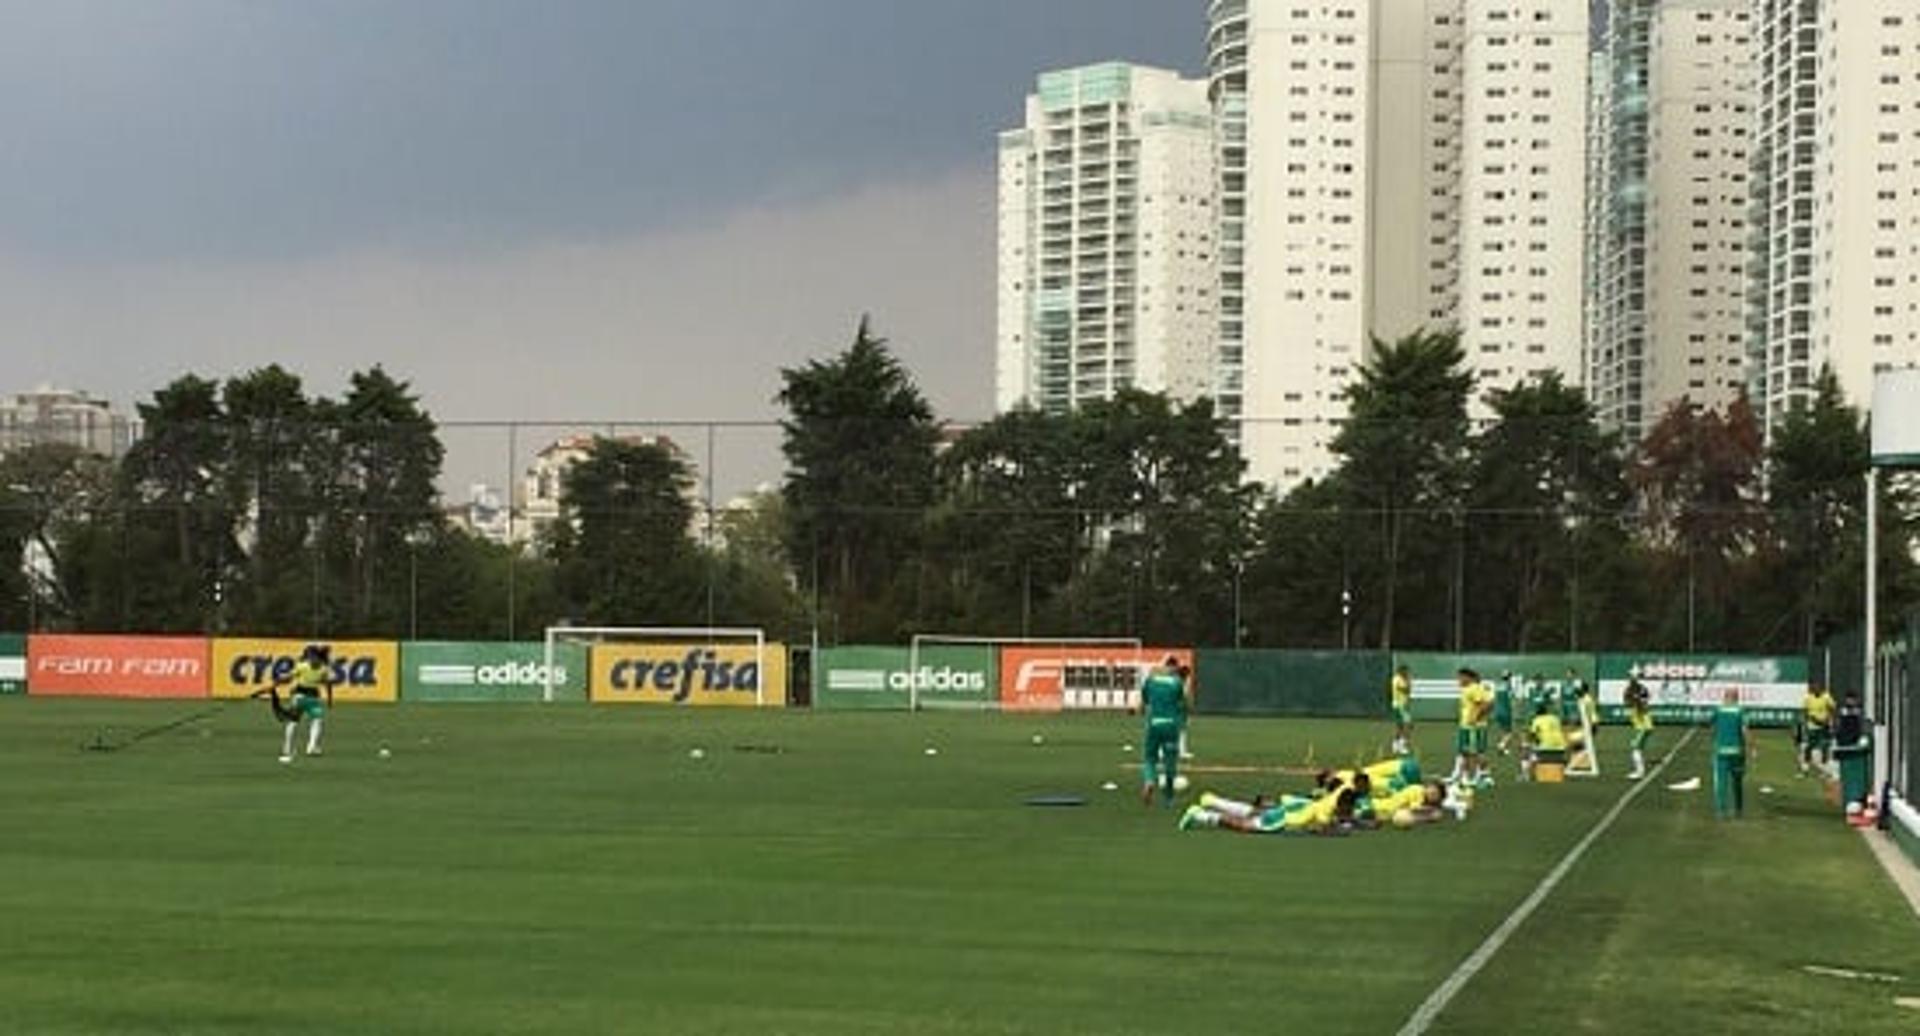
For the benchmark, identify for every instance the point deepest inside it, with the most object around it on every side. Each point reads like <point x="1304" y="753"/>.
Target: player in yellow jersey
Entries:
<point x="1470" y="740"/>
<point x="1817" y="728"/>
<point x="1400" y="698"/>
<point x="1640" y="718"/>
<point x="1329" y="813"/>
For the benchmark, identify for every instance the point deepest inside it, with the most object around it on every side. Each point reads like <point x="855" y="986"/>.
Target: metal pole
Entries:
<point x="513" y="543"/>
<point x="1690" y="602"/>
<point x="1877" y="707"/>
<point x="1459" y="581"/>
<point x="413" y="591"/>
<point x="711" y="561"/>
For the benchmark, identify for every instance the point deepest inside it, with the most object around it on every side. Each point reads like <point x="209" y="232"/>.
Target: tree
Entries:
<point x="1698" y="481"/>
<point x="1545" y="483"/>
<point x="272" y="480"/>
<point x="1008" y="520"/>
<point x="859" y="441"/>
<point x="47" y="493"/>
<point x="377" y="471"/>
<point x="1403" y="451"/>
<point x="621" y="547"/>
<point x="177" y="535"/>
<point x="753" y="583"/>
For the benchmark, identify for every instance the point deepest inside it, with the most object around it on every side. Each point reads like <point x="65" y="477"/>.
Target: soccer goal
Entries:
<point x="1040" y="673"/>
<point x="688" y="654"/>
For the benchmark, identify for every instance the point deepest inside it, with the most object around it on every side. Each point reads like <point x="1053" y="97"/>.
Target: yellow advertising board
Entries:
<point x="363" y="670"/>
<point x="688" y="674"/>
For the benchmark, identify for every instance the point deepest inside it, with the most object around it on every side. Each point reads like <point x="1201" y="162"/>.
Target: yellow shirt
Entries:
<point x="1641" y="719"/>
<point x="1402" y="691"/>
<point x="1319" y="813"/>
<point x="1548" y="734"/>
<point x="1413" y="796"/>
<point x="308" y="676"/>
<point x="1819" y="709"/>
<point x="1476" y="704"/>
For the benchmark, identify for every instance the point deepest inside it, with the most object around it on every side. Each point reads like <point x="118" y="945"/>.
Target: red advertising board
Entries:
<point x="117" y="667"/>
<point x="1069" y="677"/>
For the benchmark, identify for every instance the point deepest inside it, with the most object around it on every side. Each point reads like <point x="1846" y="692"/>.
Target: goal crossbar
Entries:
<point x="713" y="635"/>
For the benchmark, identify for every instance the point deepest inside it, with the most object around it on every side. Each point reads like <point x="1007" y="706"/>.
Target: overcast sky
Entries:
<point x="566" y="209"/>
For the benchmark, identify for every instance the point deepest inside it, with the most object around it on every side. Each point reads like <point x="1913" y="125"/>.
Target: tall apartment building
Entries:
<point x="1107" y="244"/>
<point x="57" y="416"/>
<point x="1522" y="189"/>
<point x="1388" y="165"/>
<point x="1835" y="270"/>
<point x="1669" y="225"/>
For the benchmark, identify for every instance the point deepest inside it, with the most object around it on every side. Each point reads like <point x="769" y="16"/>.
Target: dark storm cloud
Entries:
<point x="236" y="129"/>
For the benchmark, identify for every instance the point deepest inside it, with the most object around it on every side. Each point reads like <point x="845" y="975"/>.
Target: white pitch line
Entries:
<point x="1424" y="1016"/>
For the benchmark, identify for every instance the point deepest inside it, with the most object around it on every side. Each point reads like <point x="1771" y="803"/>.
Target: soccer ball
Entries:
<point x="1403" y="819"/>
<point x="1181" y="783"/>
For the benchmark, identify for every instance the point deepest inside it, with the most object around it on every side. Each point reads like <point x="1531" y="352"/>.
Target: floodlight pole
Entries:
<point x="1876" y="709"/>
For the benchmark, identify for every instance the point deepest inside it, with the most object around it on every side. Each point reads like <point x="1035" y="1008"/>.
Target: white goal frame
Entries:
<point x="956" y="640"/>
<point x="686" y="634"/>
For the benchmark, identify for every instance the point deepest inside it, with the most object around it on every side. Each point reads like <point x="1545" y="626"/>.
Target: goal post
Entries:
<point x="692" y="637"/>
<point x="1130" y="650"/>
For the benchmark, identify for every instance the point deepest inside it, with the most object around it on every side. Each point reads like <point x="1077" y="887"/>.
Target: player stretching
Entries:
<point x="1163" y="697"/>
<point x="1470" y="741"/>
<point x="1400" y="693"/>
<point x="1817" y="729"/>
<point x="1729" y="757"/>
<point x="312" y="677"/>
<point x="1640" y="718"/>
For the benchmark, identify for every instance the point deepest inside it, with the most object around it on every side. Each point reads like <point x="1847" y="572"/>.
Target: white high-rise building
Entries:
<point x="1669" y="230"/>
<point x="1523" y="172"/>
<point x="1388" y="165"/>
<point x="1107" y="239"/>
<point x="1836" y="197"/>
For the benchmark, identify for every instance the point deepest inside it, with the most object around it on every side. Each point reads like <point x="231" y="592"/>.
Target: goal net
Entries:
<point x="1037" y="674"/>
<point x="672" y="664"/>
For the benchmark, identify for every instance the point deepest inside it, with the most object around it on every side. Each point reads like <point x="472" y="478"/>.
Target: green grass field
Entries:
<point x="570" y="870"/>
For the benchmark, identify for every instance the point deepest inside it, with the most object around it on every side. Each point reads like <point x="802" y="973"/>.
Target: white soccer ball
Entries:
<point x="386" y="753"/>
<point x="1038" y="740"/>
<point x="1109" y="786"/>
<point x="932" y="750"/>
<point x="698" y="753"/>
<point x="1181" y="783"/>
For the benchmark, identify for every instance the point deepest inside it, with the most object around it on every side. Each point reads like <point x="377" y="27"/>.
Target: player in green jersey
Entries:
<point x="1163" y="698"/>
<point x="1504" y="694"/>
<point x="1730" y="749"/>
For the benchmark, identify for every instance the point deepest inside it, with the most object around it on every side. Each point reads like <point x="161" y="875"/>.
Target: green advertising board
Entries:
<point x="1291" y="683"/>
<point x="13" y="663"/>
<point x="1436" y="685"/>
<point x="451" y="672"/>
<point x="877" y="677"/>
<point x="1686" y="688"/>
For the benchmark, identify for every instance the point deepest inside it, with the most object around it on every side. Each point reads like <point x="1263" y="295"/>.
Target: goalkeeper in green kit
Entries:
<point x="1163" y="697"/>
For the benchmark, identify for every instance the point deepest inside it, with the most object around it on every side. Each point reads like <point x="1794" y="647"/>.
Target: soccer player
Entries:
<point x="1400" y="694"/>
<point x="1572" y="690"/>
<point x="1640" y="718"/>
<point x="312" y="677"/>
<point x="1470" y="741"/>
<point x="1546" y="741"/>
<point x="1503" y="695"/>
<point x="1163" y="697"/>
<point x="1330" y="812"/>
<point x="1425" y="804"/>
<point x="1730" y="748"/>
<point x="1818" y="727"/>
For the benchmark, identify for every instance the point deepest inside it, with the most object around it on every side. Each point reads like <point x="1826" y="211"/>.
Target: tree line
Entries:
<point x="252" y="506"/>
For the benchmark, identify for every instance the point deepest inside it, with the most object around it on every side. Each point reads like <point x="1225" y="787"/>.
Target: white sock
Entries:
<point x="286" y="743"/>
<point x="1185" y="752"/>
<point x="313" y="736"/>
<point x="1639" y="761"/>
<point x="1226" y="807"/>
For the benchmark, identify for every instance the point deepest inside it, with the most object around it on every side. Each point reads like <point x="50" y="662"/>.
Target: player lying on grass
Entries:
<point x="1331" y="813"/>
<point x="312" y="677"/>
<point x="1387" y="775"/>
